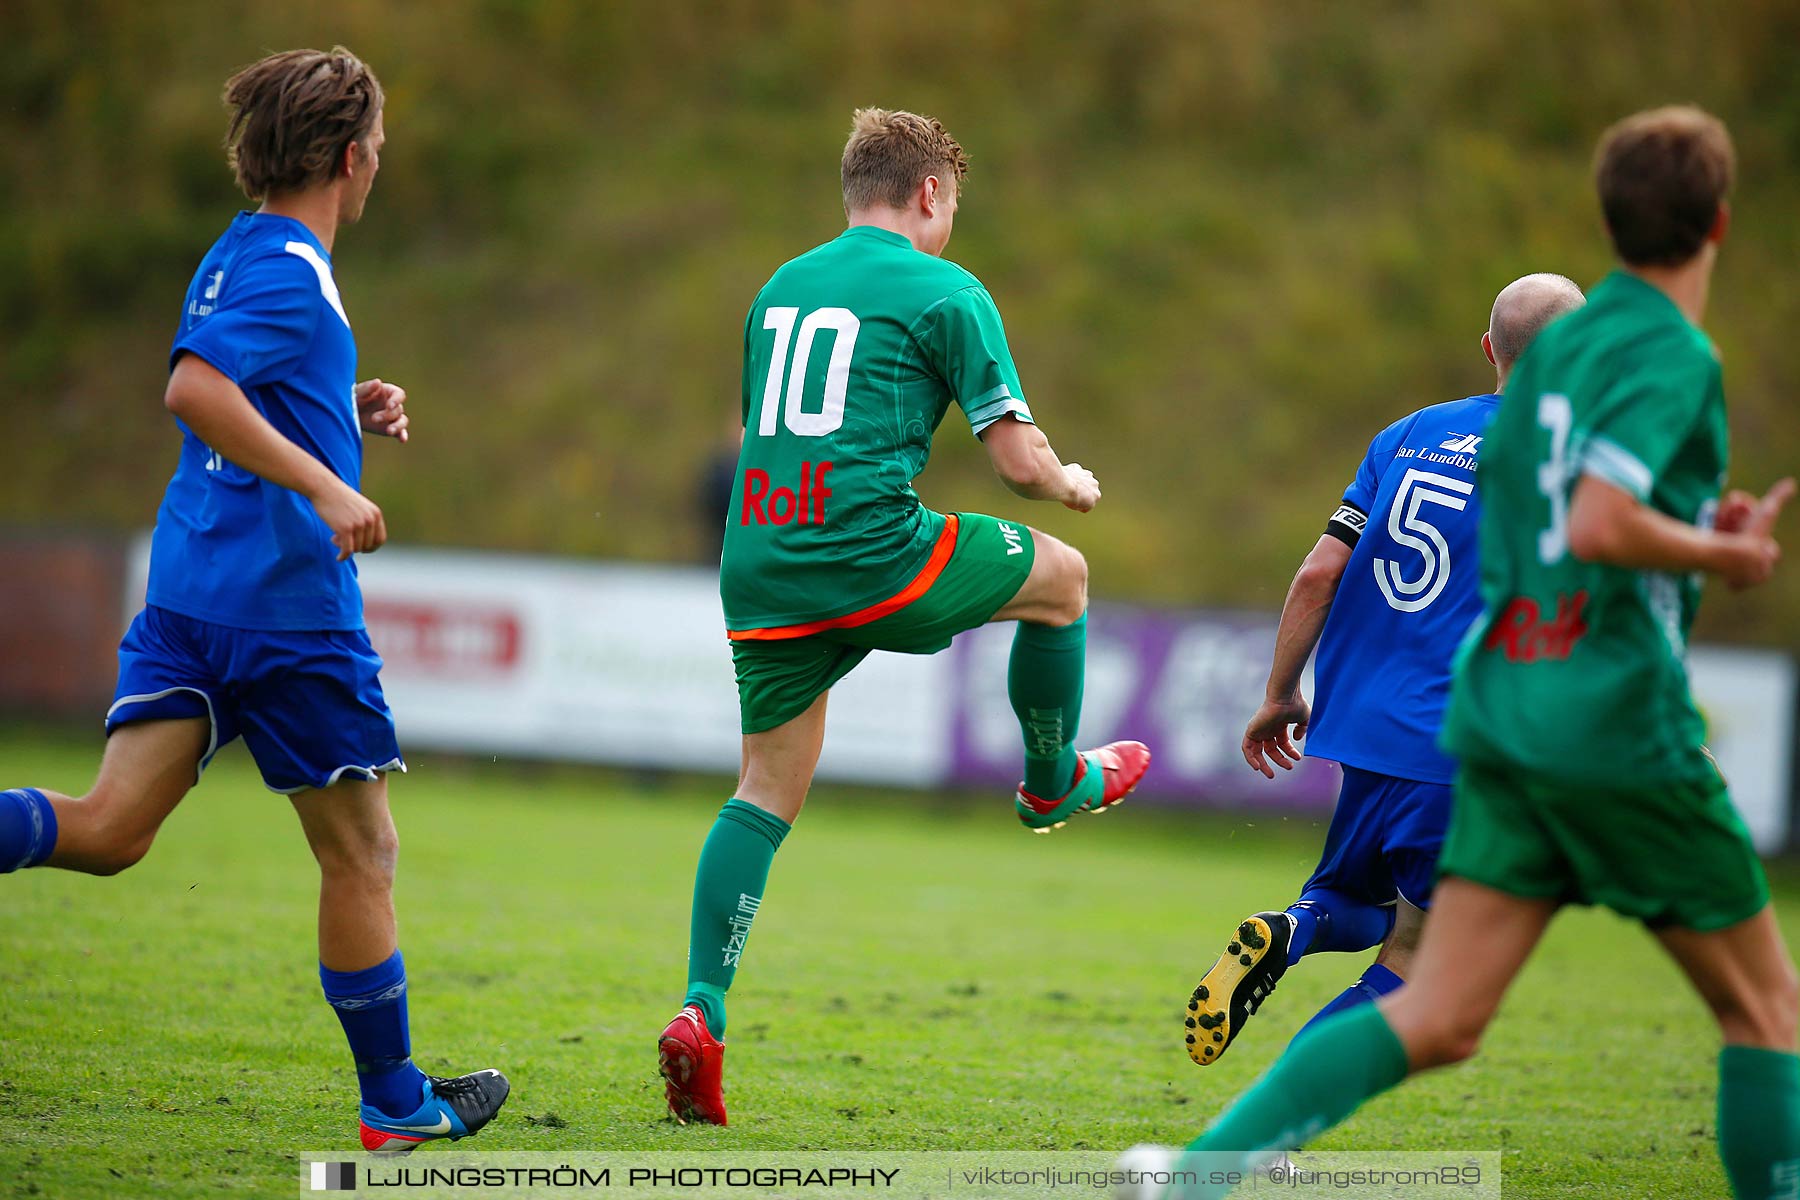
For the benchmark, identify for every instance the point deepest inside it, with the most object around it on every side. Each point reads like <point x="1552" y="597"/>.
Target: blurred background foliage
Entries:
<point x="1230" y="241"/>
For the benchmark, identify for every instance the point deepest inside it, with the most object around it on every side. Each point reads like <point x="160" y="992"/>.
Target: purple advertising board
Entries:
<point x="1184" y="684"/>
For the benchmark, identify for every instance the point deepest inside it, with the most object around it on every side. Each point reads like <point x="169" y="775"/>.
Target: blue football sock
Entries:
<point x="1376" y="982"/>
<point x="371" y="1006"/>
<point x="1328" y="920"/>
<point x="1381" y="980"/>
<point x="1307" y="918"/>
<point x="27" y="829"/>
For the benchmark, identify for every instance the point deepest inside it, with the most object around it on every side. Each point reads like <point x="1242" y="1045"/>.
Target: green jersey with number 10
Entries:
<point x="1576" y="669"/>
<point x="853" y="353"/>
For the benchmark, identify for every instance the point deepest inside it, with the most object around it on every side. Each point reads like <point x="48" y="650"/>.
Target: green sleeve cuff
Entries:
<point x="1610" y="461"/>
<point x="991" y="405"/>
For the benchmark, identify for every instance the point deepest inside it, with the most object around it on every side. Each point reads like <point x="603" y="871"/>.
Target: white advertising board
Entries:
<point x="1747" y="698"/>
<point x="609" y="663"/>
<point x="628" y="664"/>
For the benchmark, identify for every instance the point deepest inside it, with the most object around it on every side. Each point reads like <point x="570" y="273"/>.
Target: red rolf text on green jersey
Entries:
<point x="780" y="506"/>
<point x="1522" y="634"/>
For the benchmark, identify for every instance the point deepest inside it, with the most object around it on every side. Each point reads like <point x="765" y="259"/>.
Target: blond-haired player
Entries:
<point x="853" y="353"/>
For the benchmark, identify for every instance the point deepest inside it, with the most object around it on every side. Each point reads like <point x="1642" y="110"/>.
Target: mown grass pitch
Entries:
<point x="923" y="975"/>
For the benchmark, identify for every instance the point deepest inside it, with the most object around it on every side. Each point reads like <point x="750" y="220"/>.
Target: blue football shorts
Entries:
<point x="1384" y="839"/>
<point x="307" y="704"/>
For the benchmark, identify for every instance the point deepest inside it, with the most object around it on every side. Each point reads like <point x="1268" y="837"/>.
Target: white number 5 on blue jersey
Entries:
<point x="1408" y="526"/>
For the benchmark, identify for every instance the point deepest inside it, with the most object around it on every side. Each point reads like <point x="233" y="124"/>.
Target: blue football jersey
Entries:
<point x="230" y="547"/>
<point x="1409" y="594"/>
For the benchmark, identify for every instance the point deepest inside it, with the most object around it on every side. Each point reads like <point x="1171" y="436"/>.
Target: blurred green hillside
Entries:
<point x="1231" y="241"/>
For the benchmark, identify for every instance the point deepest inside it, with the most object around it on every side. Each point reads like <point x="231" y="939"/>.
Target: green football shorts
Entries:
<point x="1676" y="854"/>
<point x="779" y="677"/>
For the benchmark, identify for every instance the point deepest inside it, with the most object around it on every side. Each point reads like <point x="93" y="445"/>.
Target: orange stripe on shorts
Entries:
<point x="921" y="583"/>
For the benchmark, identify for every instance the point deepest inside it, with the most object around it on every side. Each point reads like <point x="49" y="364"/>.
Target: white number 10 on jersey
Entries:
<point x="841" y="321"/>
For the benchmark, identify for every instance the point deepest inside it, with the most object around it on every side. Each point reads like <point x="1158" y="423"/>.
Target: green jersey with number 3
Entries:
<point x="853" y="353"/>
<point x="1577" y="669"/>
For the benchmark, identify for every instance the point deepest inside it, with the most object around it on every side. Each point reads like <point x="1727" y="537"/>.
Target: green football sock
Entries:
<point x="1759" y="1122"/>
<point x="1044" y="684"/>
<point x="728" y="889"/>
<point x="1322" y="1078"/>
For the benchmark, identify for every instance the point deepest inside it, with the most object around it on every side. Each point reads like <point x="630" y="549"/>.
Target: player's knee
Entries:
<point x="384" y="853"/>
<point x="778" y="793"/>
<point x="1072" y="590"/>
<point x="1459" y="1045"/>
<point x="1442" y="1044"/>
<point x="380" y="858"/>
<point x="367" y="857"/>
<point x="1433" y="1037"/>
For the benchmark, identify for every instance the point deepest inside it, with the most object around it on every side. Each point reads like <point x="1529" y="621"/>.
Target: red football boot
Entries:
<point x="692" y="1061"/>
<point x="1103" y="777"/>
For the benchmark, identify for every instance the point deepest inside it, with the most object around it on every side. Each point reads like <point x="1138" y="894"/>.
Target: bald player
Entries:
<point x="1386" y="602"/>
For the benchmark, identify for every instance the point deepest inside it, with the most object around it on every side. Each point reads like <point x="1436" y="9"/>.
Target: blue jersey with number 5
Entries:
<point x="231" y="548"/>
<point x="1409" y="594"/>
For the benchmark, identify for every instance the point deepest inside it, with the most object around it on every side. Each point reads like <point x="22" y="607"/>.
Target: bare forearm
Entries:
<point x="1653" y="541"/>
<point x="1302" y="621"/>
<point x="246" y="439"/>
<point x="1041" y="476"/>
<point x="1303" y="615"/>
<point x="1608" y="526"/>
<point x="1022" y="458"/>
<point x="223" y="417"/>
